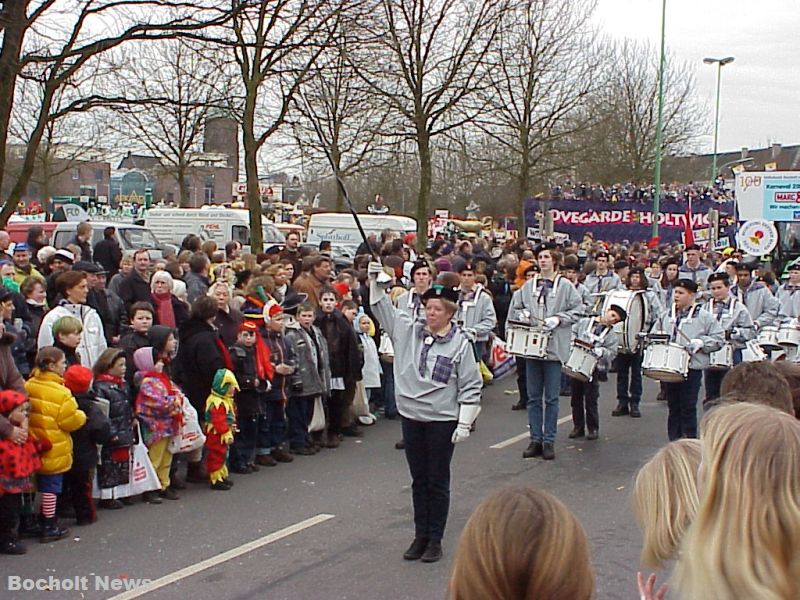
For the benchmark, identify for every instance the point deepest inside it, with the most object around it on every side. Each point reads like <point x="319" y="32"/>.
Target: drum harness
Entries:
<point x="676" y="320"/>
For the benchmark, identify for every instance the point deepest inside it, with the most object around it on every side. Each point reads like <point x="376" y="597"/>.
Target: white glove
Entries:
<point x="525" y="314"/>
<point x="695" y="345"/>
<point x="551" y="323"/>
<point x="471" y="334"/>
<point x="598" y="352"/>
<point x="375" y="273"/>
<point x="467" y="414"/>
<point x="373" y="269"/>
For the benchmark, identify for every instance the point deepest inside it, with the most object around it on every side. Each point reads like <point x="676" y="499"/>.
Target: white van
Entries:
<point x="219" y="224"/>
<point x="340" y="229"/>
<point x="129" y="236"/>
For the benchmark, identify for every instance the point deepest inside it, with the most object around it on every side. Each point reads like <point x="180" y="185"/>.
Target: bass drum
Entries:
<point x="628" y="331"/>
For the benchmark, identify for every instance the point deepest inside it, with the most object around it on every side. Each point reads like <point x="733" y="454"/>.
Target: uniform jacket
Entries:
<point x="607" y="283"/>
<point x="763" y="306"/>
<point x="789" y="299"/>
<point x="699" y="275"/>
<point x="561" y="300"/>
<point x="410" y="303"/>
<point x="54" y="415"/>
<point x="695" y="323"/>
<point x="313" y="365"/>
<point x="735" y="321"/>
<point x="589" y="330"/>
<point x="433" y="375"/>
<point x="93" y="339"/>
<point x="477" y="313"/>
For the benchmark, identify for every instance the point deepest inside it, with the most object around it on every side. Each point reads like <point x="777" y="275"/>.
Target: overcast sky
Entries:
<point x="760" y="98"/>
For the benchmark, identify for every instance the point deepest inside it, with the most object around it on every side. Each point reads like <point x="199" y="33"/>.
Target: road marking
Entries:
<point x="523" y="436"/>
<point x="221" y="558"/>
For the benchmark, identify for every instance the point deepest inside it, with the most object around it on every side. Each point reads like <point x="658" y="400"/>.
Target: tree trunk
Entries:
<point x="336" y="157"/>
<point x="251" y="174"/>
<point x="425" y="181"/>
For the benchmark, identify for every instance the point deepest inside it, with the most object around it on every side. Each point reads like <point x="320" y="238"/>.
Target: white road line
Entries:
<point x="523" y="436"/>
<point x="221" y="558"/>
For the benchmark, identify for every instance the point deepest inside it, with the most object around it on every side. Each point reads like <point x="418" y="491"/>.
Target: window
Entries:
<point x="208" y="189"/>
<point x="98" y="174"/>
<point x="76" y="174"/>
<point x="241" y="234"/>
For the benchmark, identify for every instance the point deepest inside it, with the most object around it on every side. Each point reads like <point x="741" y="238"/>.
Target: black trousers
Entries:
<point x="428" y="453"/>
<point x="682" y="403"/>
<point x="10" y="505"/>
<point x="584" y="404"/>
<point x="299" y="410"/>
<point x="77" y="493"/>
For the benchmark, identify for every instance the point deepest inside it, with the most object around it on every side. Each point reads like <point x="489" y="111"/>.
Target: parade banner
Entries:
<point x="629" y="221"/>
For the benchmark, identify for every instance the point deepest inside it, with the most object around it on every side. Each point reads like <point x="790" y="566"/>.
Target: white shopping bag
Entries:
<point x="318" y="417"/>
<point x="143" y="477"/>
<point x="191" y="436"/>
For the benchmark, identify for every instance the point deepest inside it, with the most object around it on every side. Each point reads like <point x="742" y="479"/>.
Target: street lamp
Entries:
<point x="720" y="62"/>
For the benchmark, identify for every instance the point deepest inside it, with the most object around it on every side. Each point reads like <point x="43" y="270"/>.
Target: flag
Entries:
<point x="771" y="166"/>
<point x="688" y="235"/>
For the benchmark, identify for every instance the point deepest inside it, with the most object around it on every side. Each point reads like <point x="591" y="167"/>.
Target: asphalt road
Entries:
<point x="334" y="526"/>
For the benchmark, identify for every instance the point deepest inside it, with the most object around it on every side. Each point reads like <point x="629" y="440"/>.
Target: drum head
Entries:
<point x="634" y="305"/>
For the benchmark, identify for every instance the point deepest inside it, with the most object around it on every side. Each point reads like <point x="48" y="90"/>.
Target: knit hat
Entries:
<point x="9" y="400"/>
<point x="78" y="379"/>
<point x="442" y="265"/>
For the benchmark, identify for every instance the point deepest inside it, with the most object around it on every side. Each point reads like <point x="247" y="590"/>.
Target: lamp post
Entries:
<point x="659" y="123"/>
<point x="720" y="62"/>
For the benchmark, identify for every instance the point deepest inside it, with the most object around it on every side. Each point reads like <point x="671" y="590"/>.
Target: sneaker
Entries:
<point x="416" y="549"/>
<point x="151" y="498"/>
<point x="620" y="411"/>
<point x="266" y="460"/>
<point x="533" y="450"/>
<point x="548" y="451"/>
<point x="433" y="552"/>
<point x="169" y="494"/>
<point x="576" y="433"/>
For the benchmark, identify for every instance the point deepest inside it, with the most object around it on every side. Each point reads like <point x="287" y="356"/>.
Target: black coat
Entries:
<point x="134" y="289"/>
<point x="250" y="396"/>
<point x="130" y="342"/>
<point x="199" y="358"/>
<point x="227" y="324"/>
<point x="179" y="309"/>
<point x="86" y="249"/>
<point x="111" y="310"/>
<point x="108" y="253"/>
<point x="343" y="348"/>
<point x="96" y="431"/>
<point x="120" y="412"/>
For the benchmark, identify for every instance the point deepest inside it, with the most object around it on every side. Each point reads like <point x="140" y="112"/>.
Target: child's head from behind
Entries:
<point x="665" y="499"/>
<point x="67" y="330"/>
<point x="51" y="359"/>
<point x="141" y="315"/>
<point x="522" y="543"/>
<point x="78" y="379"/>
<point x="247" y="334"/>
<point x="146" y="360"/>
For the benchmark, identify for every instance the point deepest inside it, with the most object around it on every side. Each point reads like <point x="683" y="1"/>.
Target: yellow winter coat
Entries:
<point x="54" y="414"/>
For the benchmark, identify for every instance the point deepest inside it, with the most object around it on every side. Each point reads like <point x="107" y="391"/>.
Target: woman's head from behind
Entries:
<point x="665" y="499"/>
<point x="521" y="543"/>
<point x="745" y="539"/>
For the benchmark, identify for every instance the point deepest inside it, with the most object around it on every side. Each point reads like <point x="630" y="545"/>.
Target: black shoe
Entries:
<point x="518" y="406"/>
<point x="433" y="553"/>
<point x="151" y="498"/>
<point x="352" y="431"/>
<point x="635" y="413"/>
<point x="220" y="486"/>
<point x="29" y="526"/>
<point x="12" y="546"/>
<point x="265" y="460"/>
<point x="548" y="451"/>
<point x="169" y="494"/>
<point x="51" y="532"/>
<point x="533" y="450"/>
<point x="301" y="451"/>
<point x="593" y="435"/>
<point x="245" y="470"/>
<point x="401" y="445"/>
<point x="416" y="549"/>
<point x="620" y="411"/>
<point x="576" y="433"/>
<point x="282" y="455"/>
<point x="127" y="501"/>
<point x="111" y="504"/>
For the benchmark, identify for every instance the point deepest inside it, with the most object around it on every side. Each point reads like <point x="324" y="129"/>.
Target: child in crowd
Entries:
<point x="159" y="408"/>
<point x="141" y="315"/>
<point x="371" y="373"/>
<point x="54" y="415"/>
<point x="220" y="420"/>
<point x="311" y="379"/>
<point x="109" y="384"/>
<point x="250" y="401"/>
<point x="67" y="337"/>
<point x="18" y="462"/>
<point x="272" y="430"/>
<point x="96" y="431"/>
<point x="16" y="328"/>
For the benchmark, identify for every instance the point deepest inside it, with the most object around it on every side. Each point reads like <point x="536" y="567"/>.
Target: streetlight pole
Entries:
<point x="720" y="62"/>
<point x="659" y="123"/>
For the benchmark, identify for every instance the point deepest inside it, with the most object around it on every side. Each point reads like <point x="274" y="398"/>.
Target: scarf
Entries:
<point x="110" y="378"/>
<point x="428" y="340"/>
<point x="164" y="312"/>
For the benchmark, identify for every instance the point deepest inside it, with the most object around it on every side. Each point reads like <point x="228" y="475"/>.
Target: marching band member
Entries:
<point x="629" y="365"/>
<point x="693" y="269"/>
<point x="761" y="304"/>
<point x="789" y="294"/>
<point x="570" y="270"/>
<point x="736" y="323"/>
<point x="552" y="303"/>
<point x="476" y="315"/>
<point x="692" y="327"/>
<point x="599" y="332"/>
<point x="411" y="301"/>
<point x="438" y="393"/>
<point x="603" y="279"/>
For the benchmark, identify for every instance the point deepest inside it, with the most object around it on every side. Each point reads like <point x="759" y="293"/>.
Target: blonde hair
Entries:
<point x="745" y="540"/>
<point x="521" y="543"/>
<point x="162" y="276"/>
<point x="665" y="499"/>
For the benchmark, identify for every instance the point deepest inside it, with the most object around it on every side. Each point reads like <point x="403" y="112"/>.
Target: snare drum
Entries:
<point x="768" y="338"/>
<point x="752" y="352"/>
<point x="517" y="338"/>
<point x="722" y="359"/>
<point x="537" y="343"/>
<point x="581" y="362"/>
<point x="789" y="335"/>
<point x="665" y="361"/>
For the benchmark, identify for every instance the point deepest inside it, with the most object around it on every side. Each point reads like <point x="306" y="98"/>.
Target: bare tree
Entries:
<point x="620" y="145"/>
<point x="544" y="62"/>
<point x="425" y="59"/>
<point x="57" y="43"/>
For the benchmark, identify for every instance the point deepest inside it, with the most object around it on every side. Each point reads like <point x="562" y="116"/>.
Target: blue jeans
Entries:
<point x="629" y="363"/>
<point x="522" y="379"/>
<point x="682" y="403"/>
<point x="387" y="389"/>
<point x="298" y="411"/>
<point x="428" y="453"/>
<point x="271" y="428"/>
<point x="544" y="377"/>
<point x="479" y="349"/>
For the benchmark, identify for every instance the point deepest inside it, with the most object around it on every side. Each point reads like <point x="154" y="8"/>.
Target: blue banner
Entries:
<point x="627" y="220"/>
